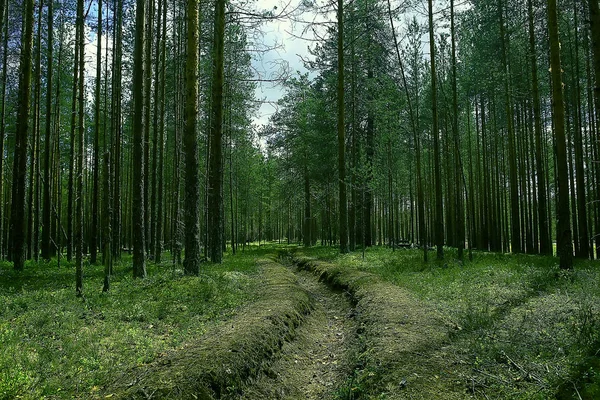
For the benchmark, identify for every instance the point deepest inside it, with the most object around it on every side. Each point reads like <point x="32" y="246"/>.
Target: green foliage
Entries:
<point x="53" y="344"/>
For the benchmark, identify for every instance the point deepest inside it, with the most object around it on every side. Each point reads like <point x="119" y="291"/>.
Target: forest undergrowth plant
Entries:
<point x="524" y="327"/>
<point x="54" y="345"/>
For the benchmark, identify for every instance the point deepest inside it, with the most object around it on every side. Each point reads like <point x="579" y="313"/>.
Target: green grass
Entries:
<point x="54" y="345"/>
<point x="524" y="328"/>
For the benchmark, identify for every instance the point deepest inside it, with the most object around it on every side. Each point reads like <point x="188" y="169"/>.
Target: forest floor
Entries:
<point x="309" y="324"/>
<point x="517" y="326"/>
<point x="316" y="364"/>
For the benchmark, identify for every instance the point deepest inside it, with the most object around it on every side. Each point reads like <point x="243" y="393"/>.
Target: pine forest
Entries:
<point x="300" y="199"/>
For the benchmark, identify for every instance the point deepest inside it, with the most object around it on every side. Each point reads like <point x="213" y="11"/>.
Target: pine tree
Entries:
<point x="191" y="262"/>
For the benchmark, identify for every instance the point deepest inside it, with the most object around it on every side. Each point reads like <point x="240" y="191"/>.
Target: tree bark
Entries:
<point x="515" y="237"/>
<point x="96" y="178"/>
<point x="307" y="213"/>
<point x="158" y="233"/>
<point x="439" y="211"/>
<point x="107" y="234"/>
<point x="3" y="32"/>
<point x="78" y="234"/>
<point x="147" y="97"/>
<point x="563" y="226"/>
<point x="191" y="263"/>
<point x="584" y="241"/>
<point x="215" y="194"/>
<point x="32" y="209"/>
<point x="545" y="240"/>
<point x="46" y="218"/>
<point x="22" y="128"/>
<point x="341" y="131"/>
<point x="460" y="217"/>
<point x="116" y="125"/>
<point x="137" y="218"/>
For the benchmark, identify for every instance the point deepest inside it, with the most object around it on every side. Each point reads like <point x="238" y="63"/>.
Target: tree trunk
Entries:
<point x="215" y="194"/>
<point x="306" y="232"/>
<point x="116" y="121"/>
<point x="149" y="37"/>
<point x="137" y="220"/>
<point x="78" y="236"/>
<point x="514" y="183"/>
<point x="4" y="32"/>
<point x="158" y="234"/>
<point x="563" y="226"/>
<point x="460" y="217"/>
<point x="22" y="128"/>
<point x="96" y="178"/>
<point x="584" y="246"/>
<point x="107" y="234"/>
<point x="46" y="218"/>
<point x="191" y="263"/>
<point x="33" y="148"/>
<point x="151" y="238"/>
<point x="413" y="119"/>
<point x="439" y="224"/>
<point x="545" y="240"/>
<point x="341" y="131"/>
<point x="369" y="152"/>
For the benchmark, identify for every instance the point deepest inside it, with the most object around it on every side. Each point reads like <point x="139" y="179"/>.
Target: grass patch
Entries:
<point x="400" y="338"/>
<point x="523" y="328"/>
<point x="219" y="364"/>
<point x="54" y="345"/>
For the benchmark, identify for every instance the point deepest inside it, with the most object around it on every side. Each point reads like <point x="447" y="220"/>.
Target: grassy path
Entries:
<point x="318" y="361"/>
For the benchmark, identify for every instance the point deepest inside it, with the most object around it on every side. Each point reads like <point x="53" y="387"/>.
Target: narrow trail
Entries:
<point x="318" y="361"/>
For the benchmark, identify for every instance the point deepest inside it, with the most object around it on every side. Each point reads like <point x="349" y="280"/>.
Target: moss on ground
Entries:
<point x="403" y="355"/>
<point x="218" y="364"/>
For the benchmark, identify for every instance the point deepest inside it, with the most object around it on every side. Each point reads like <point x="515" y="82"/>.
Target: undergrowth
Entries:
<point x="523" y="328"/>
<point x="54" y="345"/>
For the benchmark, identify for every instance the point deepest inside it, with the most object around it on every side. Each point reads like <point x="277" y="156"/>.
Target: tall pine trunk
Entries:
<point x="158" y="233"/>
<point x="564" y="243"/>
<point x="32" y="209"/>
<point x="147" y="102"/>
<point x="22" y="128"/>
<point x="137" y="217"/>
<point x="78" y="234"/>
<point x="460" y="217"/>
<point x="515" y="237"/>
<point x="46" y="217"/>
<point x="584" y="241"/>
<point x="545" y="240"/>
<point x="215" y="182"/>
<point x="439" y="212"/>
<point x="341" y="132"/>
<point x="96" y="172"/>
<point x="4" y="34"/>
<point x="191" y="263"/>
<point x="116" y="127"/>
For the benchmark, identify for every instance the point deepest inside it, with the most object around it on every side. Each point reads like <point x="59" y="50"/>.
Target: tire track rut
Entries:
<point x="319" y="360"/>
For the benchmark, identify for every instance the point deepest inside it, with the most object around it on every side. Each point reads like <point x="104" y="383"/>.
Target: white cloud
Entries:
<point x="290" y="46"/>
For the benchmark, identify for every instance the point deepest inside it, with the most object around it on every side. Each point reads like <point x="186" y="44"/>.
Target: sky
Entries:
<point x="281" y="35"/>
<point x="290" y="47"/>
